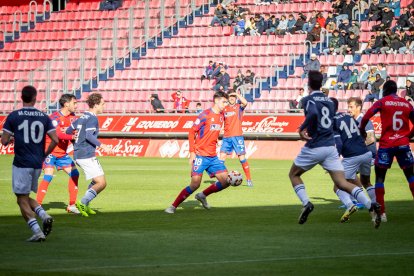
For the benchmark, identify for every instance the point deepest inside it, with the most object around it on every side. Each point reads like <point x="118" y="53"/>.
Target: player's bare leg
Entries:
<point x="185" y="193"/>
<point x="297" y="184"/>
<point x="220" y="185"/>
<point x="73" y="174"/>
<point x="98" y="186"/>
<point x="338" y="177"/>
<point x="246" y="169"/>
<point x="44" y="184"/>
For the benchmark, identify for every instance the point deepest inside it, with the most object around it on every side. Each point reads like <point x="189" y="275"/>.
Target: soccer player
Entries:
<point x="59" y="158"/>
<point x="203" y="137"/>
<point x="356" y="157"/>
<point x="86" y="142"/>
<point x="317" y="131"/>
<point x="396" y="114"/>
<point x="29" y="127"/>
<point x="233" y="133"/>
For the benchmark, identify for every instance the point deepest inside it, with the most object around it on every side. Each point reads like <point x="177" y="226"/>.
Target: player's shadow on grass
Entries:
<point x="54" y="205"/>
<point x="322" y="199"/>
<point x="209" y="181"/>
<point x="190" y="204"/>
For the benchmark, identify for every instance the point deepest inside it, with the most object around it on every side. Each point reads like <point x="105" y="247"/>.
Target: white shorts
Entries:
<point x="91" y="167"/>
<point x="24" y="180"/>
<point x="327" y="157"/>
<point x="360" y="163"/>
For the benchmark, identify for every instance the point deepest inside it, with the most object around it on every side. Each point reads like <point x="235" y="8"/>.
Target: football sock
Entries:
<point x="345" y="198"/>
<point x="246" y="168"/>
<point x="379" y="194"/>
<point x="89" y="195"/>
<point x="411" y="184"/>
<point x="73" y="186"/>
<point x="360" y="196"/>
<point x="41" y="213"/>
<point x="213" y="188"/>
<point x="182" y="196"/>
<point x="91" y="184"/>
<point x="301" y="193"/>
<point x="371" y="193"/>
<point x="42" y="189"/>
<point x="34" y="226"/>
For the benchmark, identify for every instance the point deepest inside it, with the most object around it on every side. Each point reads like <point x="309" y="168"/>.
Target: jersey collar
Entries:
<point x="91" y="113"/>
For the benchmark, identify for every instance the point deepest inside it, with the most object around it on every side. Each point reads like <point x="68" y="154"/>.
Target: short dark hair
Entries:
<point x="315" y="79"/>
<point x="335" y="102"/>
<point x="220" y="94"/>
<point x="94" y="99"/>
<point x="390" y="87"/>
<point x="356" y="100"/>
<point x="66" y="98"/>
<point x="29" y="94"/>
<point x="198" y="104"/>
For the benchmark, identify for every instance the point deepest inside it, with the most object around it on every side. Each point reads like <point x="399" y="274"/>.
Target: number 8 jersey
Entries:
<point x="319" y="113"/>
<point x="29" y="127"/>
<point x="396" y="113"/>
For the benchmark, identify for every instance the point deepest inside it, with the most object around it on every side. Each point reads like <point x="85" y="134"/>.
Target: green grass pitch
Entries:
<point x="249" y="231"/>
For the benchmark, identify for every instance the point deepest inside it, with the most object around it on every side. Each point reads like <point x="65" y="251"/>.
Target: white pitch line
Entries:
<point x="228" y="262"/>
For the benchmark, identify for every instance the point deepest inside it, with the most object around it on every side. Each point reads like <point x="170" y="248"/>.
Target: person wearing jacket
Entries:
<point x="343" y="78"/>
<point x="181" y="103"/>
<point x="156" y="103"/>
<point x="312" y="65"/>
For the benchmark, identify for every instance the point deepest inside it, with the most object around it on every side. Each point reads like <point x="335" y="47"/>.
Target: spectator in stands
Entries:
<point x="312" y="65"/>
<point x="274" y="22"/>
<point x="355" y="28"/>
<point x="222" y="81"/>
<point x="218" y="16"/>
<point x="251" y="28"/>
<point x="387" y="42"/>
<point x="374" y="11"/>
<point x="324" y="74"/>
<point x="382" y="70"/>
<point x="335" y="43"/>
<point x="297" y="103"/>
<point x="180" y="102"/>
<point x="240" y="27"/>
<point x="403" y="21"/>
<point x="409" y="90"/>
<point x="344" y="77"/>
<point x="156" y="103"/>
<point x="231" y="14"/>
<point x="315" y="34"/>
<point x="198" y="109"/>
<point x="300" y="22"/>
<point x="309" y="25"/>
<point x="291" y="22"/>
<point x="238" y="81"/>
<point x="408" y="43"/>
<point x="374" y="94"/>
<point x="331" y="27"/>
<point x="282" y="27"/>
<point x="386" y="19"/>
<point x="330" y="18"/>
<point x="353" y="81"/>
<point x="347" y="8"/>
<point x="344" y="26"/>
<point x="378" y="44"/>
<point x="320" y="19"/>
<point x="363" y="78"/>
<point x="362" y="8"/>
<point x="217" y="71"/>
<point x="372" y="76"/>
<point x="208" y="72"/>
<point x="395" y="6"/>
<point x="248" y="81"/>
<point x="265" y="24"/>
<point x="351" y="44"/>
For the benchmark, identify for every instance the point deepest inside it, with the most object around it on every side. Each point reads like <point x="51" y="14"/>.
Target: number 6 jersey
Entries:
<point x="29" y="127"/>
<point x="319" y="113"/>
<point x="396" y="114"/>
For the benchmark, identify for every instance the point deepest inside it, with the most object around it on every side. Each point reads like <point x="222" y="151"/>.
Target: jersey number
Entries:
<point x="79" y="128"/>
<point x="396" y="122"/>
<point x="31" y="131"/>
<point x="349" y="130"/>
<point x="326" y="122"/>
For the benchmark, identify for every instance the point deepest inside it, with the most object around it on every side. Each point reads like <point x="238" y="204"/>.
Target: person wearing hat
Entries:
<point x="156" y="103"/>
<point x="312" y="65"/>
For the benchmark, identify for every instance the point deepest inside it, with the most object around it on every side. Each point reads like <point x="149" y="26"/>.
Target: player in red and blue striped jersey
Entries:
<point x="203" y="137"/>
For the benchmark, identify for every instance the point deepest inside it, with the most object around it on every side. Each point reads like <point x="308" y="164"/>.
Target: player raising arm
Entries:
<point x="59" y="158"/>
<point x="203" y="138"/>
<point x="317" y="131"/>
<point x="29" y="127"/>
<point x="85" y="145"/>
<point x="396" y="114"/>
<point x="233" y="133"/>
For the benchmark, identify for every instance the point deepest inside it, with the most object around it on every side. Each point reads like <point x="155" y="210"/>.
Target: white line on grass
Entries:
<point x="227" y="262"/>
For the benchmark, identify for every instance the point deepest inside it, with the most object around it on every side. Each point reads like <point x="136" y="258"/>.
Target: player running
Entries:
<point x="317" y="131"/>
<point x="356" y="157"/>
<point x="203" y="138"/>
<point x="86" y="142"/>
<point x="233" y="133"/>
<point x="396" y="114"/>
<point x="29" y="127"/>
<point x="59" y="158"/>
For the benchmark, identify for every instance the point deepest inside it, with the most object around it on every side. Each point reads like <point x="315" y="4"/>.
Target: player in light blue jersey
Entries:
<point x="317" y="131"/>
<point x="356" y="158"/>
<point x="85" y="144"/>
<point x="29" y="127"/>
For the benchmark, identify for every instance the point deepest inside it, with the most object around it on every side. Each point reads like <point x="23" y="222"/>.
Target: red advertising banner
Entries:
<point x="154" y="124"/>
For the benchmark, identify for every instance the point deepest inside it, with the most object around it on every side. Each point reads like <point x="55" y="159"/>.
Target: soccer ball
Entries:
<point x="234" y="178"/>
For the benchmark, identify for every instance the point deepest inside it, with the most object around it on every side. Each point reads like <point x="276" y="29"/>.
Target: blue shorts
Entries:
<point x="385" y="156"/>
<point x="213" y="165"/>
<point x="59" y="162"/>
<point x="235" y="143"/>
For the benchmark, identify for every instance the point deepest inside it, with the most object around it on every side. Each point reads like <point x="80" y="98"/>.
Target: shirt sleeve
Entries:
<point x="8" y="125"/>
<point x="369" y="127"/>
<point x="370" y="113"/>
<point x="49" y="125"/>
<point x="311" y="114"/>
<point x="198" y="123"/>
<point x="72" y="127"/>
